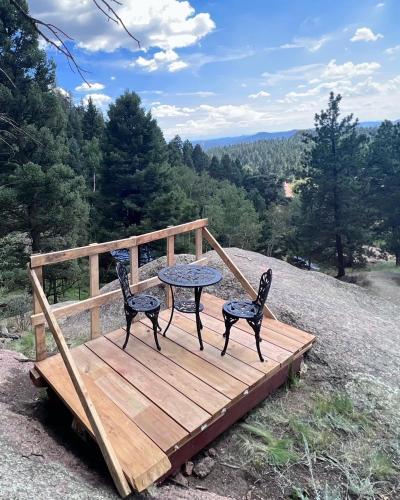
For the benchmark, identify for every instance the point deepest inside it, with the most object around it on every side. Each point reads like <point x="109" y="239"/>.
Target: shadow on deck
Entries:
<point x="161" y="408"/>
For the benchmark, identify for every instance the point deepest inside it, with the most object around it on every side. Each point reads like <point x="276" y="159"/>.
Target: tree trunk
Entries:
<point x="35" y="237"/>
<point x="397" y="259"/>
<point x="340" y="256"/>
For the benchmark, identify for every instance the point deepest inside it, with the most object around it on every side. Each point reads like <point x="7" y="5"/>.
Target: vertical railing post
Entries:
<point x="199" y="243"/>
<point x="95" y="328"/>
<point x="40" y="330"/>
<point x="170" y="262"/>
<point x="134" y="264"/>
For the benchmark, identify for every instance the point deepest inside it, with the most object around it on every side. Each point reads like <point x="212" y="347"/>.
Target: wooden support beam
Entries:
<point x="95" y="327"/>
<point x="40" y="331"/>
<point x="170" y="262"/>
<point x="36" y="378"/>
<point x="85" y="400"/>
<point x="235" y="270"/>
<point x="199" y="243"/>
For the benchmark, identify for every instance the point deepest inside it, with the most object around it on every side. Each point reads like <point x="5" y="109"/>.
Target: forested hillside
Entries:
<point x="281" y="157"/>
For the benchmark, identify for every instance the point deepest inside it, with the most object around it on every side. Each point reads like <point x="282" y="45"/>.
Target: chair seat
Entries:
<point x="143" y="303"/>
<point x="241" y="309"/>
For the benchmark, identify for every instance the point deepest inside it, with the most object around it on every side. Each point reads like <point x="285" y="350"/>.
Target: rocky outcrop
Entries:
<point x="357" y="348"/>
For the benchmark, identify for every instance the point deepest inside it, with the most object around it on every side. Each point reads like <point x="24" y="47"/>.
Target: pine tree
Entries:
<point x="175" y="151"/>
<point x="384" y="168"/>
<point x="200" y="159"/>
<point x="214" y="168"/>
<point x="92" y="122"/>
<point x="135" y="173"/>
<point x="187" y="151"/>
<point x="41" y="197"/>
<point x="335" y="184"/>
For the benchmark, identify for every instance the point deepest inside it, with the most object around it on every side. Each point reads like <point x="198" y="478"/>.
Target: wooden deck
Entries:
<point x="160" y="408"/>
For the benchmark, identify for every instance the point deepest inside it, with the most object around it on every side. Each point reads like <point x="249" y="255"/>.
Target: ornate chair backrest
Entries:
<point x="263" y="290"/>
<point x="123" y="281"/>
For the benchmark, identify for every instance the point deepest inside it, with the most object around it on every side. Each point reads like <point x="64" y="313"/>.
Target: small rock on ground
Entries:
<point x="188" y="468"/>
<point x="204" y="467"/>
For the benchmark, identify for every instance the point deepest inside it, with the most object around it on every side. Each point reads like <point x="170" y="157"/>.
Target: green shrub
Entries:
<point x="17" y="307"/>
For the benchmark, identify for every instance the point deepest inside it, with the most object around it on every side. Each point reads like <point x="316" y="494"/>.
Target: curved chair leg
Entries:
<point x="129" y="318"/>
<point x="153" y="317"/>
<point x="229" y="322"/>
<point x="256" y="325"/>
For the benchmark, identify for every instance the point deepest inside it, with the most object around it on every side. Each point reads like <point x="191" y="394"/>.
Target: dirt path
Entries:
<point x="385" y="284"/>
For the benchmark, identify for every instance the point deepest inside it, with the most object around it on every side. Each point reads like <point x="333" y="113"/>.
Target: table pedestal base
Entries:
<point x="191" y="307"/>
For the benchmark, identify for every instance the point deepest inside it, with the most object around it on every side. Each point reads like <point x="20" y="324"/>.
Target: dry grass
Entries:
<point x="321" y="446"/>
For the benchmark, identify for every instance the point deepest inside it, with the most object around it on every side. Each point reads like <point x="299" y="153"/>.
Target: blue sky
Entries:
<point x="232" y="67"/>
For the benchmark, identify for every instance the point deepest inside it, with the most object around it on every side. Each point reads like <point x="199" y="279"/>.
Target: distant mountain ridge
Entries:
<point x="262" y="136"/>
<point x="259" y="136"/>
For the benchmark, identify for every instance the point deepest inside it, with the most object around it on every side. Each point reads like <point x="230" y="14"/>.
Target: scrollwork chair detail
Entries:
<point x="136" y="303"/>
<point x="250" y="310"/>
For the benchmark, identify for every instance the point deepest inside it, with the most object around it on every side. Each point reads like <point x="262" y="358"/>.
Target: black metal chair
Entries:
<point x="250" y="310"/>
<point x="136" y="303"/>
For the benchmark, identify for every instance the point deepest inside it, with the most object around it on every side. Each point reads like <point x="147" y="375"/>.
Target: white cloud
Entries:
<point x="391" y="51"/>
<point x="177" y="66"/>
<point x="112" y="77"/>
<point x="99" y="100"/>
<point x="208" y="120"/>
<point x="365" y="35"/>
<point x="311" y="44"/>
<point x="84" y="87"/>
<point x="147" y="91"/>
<point x="347" y="88"/>
<point x="304" y="72"/>
<point x="170" y="111"/>
<point x="364" y="95"/>
<point x="262" y="93"/>
<point x="167" y="59"/>
<point x="199" y="93"/>
<point x="379" y="5"/>
<point x="62" y="91"/>
<point x="162" y="24"/>
<point x="349" y="69"/>
<point x="315" y="73"/>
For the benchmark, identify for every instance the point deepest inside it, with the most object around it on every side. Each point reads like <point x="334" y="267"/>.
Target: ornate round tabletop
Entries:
<point x="189" y="276"/>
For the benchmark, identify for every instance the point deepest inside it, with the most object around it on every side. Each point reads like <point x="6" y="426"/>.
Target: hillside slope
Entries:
<point x="357" y="351"/>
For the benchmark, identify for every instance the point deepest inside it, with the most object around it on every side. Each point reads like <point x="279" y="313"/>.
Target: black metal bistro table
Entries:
<point x="188" y="276"/>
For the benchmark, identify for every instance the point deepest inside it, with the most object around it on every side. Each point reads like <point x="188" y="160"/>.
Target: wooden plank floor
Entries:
<point x="156" y="406"/>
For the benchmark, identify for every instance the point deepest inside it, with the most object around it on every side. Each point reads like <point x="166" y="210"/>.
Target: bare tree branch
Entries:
<point x="56" y="35"/>
<point x="8" y="77"/>
<point x="111" y="12"/>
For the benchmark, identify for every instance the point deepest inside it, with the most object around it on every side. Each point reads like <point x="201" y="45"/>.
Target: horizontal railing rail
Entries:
<point x="38" y="260"/>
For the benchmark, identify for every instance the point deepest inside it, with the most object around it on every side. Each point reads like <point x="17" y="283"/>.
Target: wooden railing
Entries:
<point x="96" y="300"/>
<point x="43" y="312"/>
